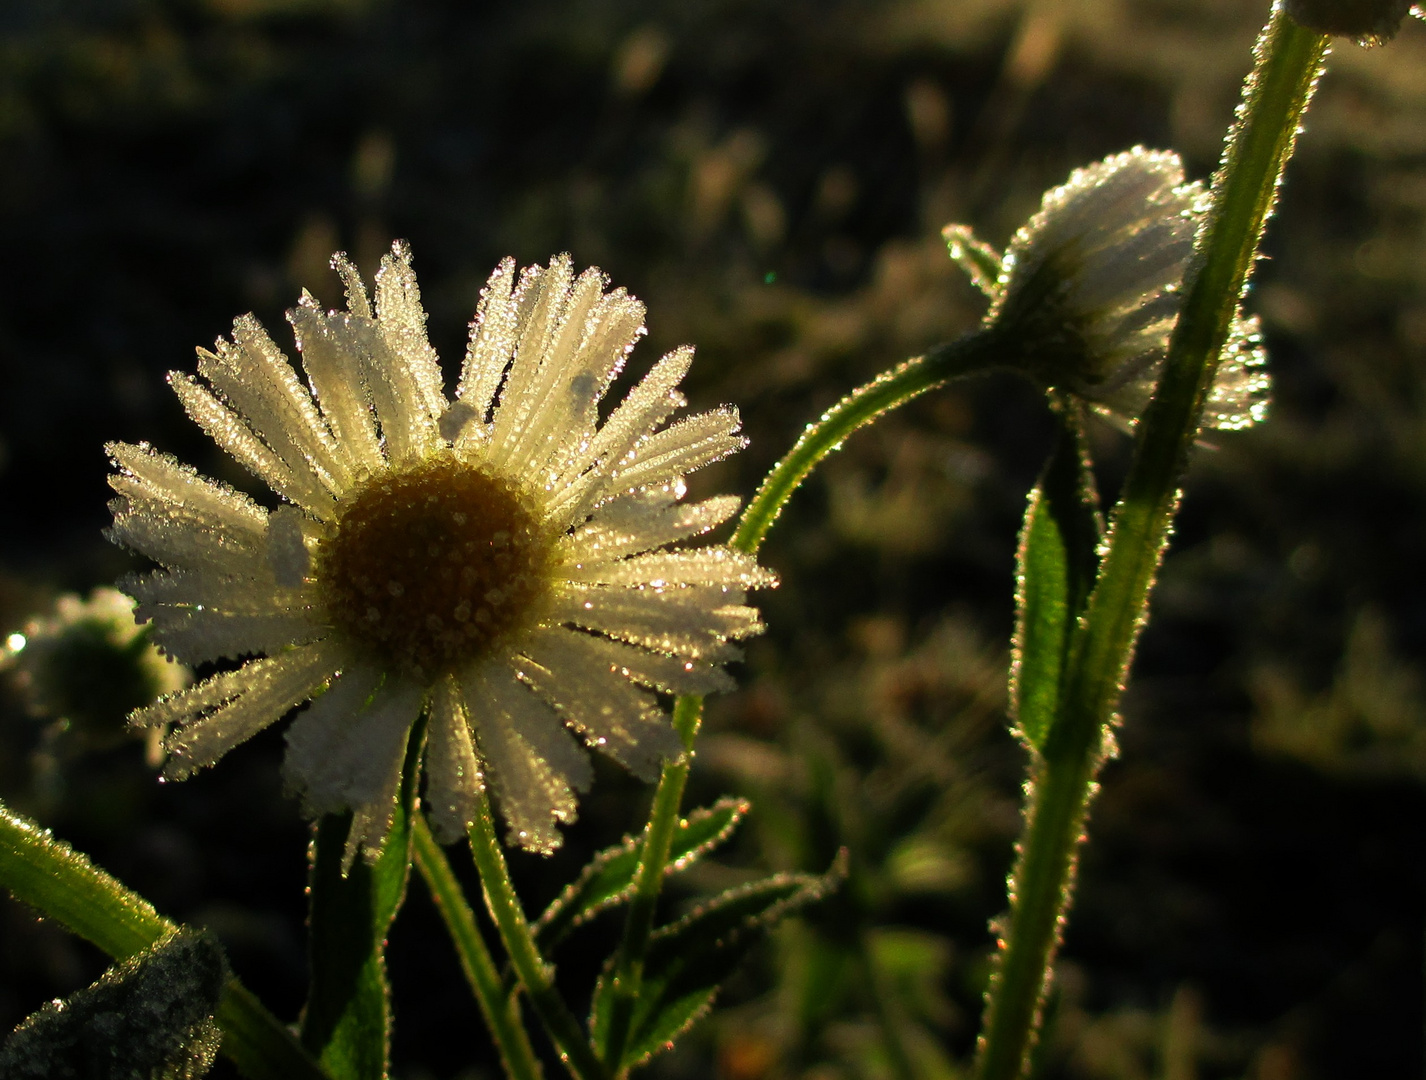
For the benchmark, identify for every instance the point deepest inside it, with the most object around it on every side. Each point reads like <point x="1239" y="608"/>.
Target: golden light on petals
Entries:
<point x="505" y="563"/>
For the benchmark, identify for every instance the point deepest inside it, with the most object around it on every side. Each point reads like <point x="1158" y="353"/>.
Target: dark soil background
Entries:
<point x="770" y="176"/>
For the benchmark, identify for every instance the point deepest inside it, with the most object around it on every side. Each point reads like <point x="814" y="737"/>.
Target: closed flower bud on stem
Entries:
<point x="1090" y="288"/>
<point x="1367" y="22"/>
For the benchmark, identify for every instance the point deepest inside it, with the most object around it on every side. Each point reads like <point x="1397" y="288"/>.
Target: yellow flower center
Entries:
<point x="430" y="566"/>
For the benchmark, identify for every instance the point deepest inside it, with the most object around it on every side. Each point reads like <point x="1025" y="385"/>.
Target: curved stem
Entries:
<point x="964" y="356"/>
<point x="64" y="885"/>
<point x="967" y="355"/>
<point x="1289" y="60"/>
<point x="536" y="976"/>
<point x="501" y="1013"/>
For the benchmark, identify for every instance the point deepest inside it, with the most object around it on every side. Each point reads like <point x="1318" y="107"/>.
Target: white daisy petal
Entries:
<point x="355" y="769"/>
<point x="357" y="301"/>
<point x="599" y="702"/>
<point x="408" y="429"/>
<point x="638" y="523"/>
<point x="178" y="487"/>
<point x="403" y="321"/>
<point x="253" y="375"/>
<point x="180" y="519"/>
<point x="694" y="620"/>
<point x="667" y="674"/>
<point x="544" y="297"/>
<point x="533" y="797"/>
<point x="197" y="634"/>
<point x="221" y="712"/>
<point x="332" y="370"/>
<point x="491" y="344"/>
<point x="706" y="566"/>
<point x="454" y="779"/>
<point x="680" y="449"/>
<point x="226" y="429"/>
<point x="317" y="733"/>
<point x="649" y="404"/>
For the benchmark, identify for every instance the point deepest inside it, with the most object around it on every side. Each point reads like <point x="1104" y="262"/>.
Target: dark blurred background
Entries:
<point x="770" y="176"/>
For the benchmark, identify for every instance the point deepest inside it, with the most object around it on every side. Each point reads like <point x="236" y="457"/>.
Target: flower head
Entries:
<point x="88" y="663"/>
<point x="499" y="562"/>
<point x="1090" y="288"/>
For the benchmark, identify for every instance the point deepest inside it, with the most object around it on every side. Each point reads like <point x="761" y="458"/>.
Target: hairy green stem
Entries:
<point x="1288" y="62"/>
<point x="536" y="976"/>
<point x="501" y="1013"/>
<point x="648" y="881"/>
<point x="65" y="886"/>
<point x="967" y="355"/>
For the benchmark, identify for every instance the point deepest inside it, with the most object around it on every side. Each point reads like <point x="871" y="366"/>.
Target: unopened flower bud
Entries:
<point x="1367" y="22"/>
<point x="88" y="663"/>
<point x="1090" y="289"/>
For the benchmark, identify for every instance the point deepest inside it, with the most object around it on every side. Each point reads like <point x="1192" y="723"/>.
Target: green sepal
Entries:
<point x="151" y="1015"/>
<point x="981" y="262"/>
<point x="608" y="879"/>
<point x="347" y="1020"/>
<point x="1054" y="571"/>
<point x="689" y="959"/>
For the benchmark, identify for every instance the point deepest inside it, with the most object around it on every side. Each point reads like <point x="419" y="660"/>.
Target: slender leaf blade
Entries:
<point x="1055" y="566"/>
<point x="608" y="878"/>
<point x="688" y="960"/>
<point x="347" y="1022"/>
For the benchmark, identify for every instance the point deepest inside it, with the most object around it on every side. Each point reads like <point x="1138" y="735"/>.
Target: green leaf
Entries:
<point x="980" y="261"/>
<point x="689" y="959"/>
<point x="1055" y="567"/>
<point x="347" y="1021"/>
<point x="151" y="1015"/>
<point x="608" y="878"/>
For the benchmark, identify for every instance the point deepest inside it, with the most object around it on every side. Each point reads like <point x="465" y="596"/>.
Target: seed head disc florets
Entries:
<point x="430" y="566"/>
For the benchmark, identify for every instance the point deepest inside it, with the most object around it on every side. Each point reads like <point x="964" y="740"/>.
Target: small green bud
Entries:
<point x="88" y="664"/>
<point x="1367" y="22"/>
<point x="149" y="1017"/>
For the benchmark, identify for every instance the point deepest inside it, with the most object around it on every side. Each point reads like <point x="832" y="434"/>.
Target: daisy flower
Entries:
<point x="1089" y="290"/>
<point x="499" y="561"/>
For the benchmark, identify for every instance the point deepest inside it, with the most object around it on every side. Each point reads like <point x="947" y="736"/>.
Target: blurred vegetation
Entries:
<point x="770" y="176"/>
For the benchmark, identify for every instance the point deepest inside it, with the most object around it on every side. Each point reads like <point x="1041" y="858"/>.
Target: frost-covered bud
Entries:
<point x="88" y="663"/>
<point x="1090" y="288"/>
<point x="1367" y="22"/>
<point x="151" y="1016"/>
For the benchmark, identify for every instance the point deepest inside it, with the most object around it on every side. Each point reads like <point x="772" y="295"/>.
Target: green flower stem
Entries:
<point x="1289" y="60"/>
<point x="502" y="1014"/>
<point x="967" y="355"/>
<point x="65" y="886"/>
<point x="893" y="1041"/>
<point x="536" y="976"/>
<point x="648" y="880"/>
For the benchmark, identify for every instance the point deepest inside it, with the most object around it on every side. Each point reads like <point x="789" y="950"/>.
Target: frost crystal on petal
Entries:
<point x="501" y="562"/>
